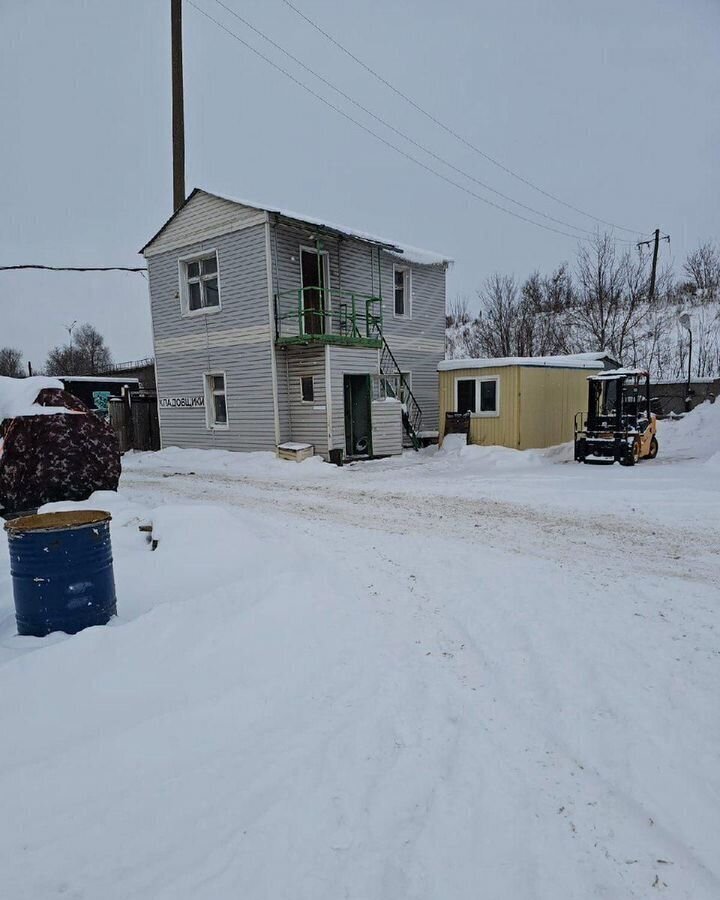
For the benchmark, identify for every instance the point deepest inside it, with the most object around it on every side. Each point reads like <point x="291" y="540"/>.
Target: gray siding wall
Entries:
<point x="418" y="341"/>
<point x="387" y="429"/>
<point x="236" y="339"/>
<point x="308" y="421"/>
<point x="204" y="216"/>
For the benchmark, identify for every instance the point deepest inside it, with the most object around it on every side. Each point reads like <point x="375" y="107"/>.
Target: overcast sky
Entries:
<point x="611" y="106"/>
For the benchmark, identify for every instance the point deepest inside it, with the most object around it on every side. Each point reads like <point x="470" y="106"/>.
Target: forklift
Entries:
<point x="619" y="426"/>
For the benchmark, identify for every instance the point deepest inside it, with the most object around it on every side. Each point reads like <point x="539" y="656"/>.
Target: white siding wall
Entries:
<point x="346" y="361"/>
<point x="418" y="342"/>
<point x="236" y="340"/>
<point x="204" y="216"/>
<point x="308" y="421"/>
<point x="387" y="429"/>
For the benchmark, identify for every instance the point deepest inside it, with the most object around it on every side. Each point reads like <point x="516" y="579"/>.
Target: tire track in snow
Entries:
<point x="503" y="525"/>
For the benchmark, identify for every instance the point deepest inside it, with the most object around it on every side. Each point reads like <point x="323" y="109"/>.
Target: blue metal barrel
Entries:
<point x="62" y="571"/>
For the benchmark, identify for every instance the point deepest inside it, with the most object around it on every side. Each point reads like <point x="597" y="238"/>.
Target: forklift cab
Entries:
<point x="619" y="425"/>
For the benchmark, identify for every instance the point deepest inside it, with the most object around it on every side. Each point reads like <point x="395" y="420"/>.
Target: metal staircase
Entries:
<point x="396" y="385"/>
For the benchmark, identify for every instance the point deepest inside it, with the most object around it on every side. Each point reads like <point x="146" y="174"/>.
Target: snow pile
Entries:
<point x="18" y="396"/>
<point x="473" y="458"/>
<point x="175" y="460"/>
<point x="694" y="436"/>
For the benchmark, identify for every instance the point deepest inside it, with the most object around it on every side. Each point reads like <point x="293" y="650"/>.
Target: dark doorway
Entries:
<point x="313" y="266"/>
<point x="358" y="426"/>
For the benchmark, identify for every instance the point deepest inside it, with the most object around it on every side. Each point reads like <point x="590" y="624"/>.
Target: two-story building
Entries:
<point x="271" y="327"/>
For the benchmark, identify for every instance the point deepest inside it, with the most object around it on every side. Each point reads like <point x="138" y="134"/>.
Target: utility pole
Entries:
<point x="656" y="242"/>
<point x="178" y="105"/>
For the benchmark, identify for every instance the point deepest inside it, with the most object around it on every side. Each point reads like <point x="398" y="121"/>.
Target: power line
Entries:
<point x="450" y="130"/>
<point x="141" y="269"/>
<point x="374" y="134"/>
<point x="396" y="130"/>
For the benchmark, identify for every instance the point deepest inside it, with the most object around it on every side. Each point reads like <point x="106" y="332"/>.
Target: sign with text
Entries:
<point x="181" y="402"/>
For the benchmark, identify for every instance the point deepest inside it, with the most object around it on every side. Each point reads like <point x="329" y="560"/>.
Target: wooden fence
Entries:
<point x="134" y="419"/>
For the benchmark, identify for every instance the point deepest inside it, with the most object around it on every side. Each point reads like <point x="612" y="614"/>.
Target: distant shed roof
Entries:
<point x="612" y="374"/>
<point x="571" y="361"/>
<point x="406" y="251"/>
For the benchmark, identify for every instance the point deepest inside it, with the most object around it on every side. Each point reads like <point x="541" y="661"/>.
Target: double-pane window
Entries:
<point x="201" y="283"/>
<point x="478" y="396"/>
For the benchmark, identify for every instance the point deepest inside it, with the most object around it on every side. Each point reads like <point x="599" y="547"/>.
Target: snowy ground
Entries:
<point x="460" y="674"/>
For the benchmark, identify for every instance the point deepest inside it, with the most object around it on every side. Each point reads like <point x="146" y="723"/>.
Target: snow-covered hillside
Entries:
<point x="462" y="673"/>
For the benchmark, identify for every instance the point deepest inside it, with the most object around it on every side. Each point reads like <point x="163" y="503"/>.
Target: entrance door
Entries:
<point x="314" y="282"/>
<point x="358" y="426"/>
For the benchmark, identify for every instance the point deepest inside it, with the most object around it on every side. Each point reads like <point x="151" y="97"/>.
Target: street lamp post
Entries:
<point x="685" y="322"/>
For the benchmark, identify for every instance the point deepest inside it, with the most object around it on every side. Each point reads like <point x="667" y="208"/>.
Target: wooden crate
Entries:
<point x="295" y="451"/>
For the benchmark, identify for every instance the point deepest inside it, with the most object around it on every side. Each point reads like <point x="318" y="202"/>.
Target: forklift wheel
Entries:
<point x="653" y="452"/>
<point x="632" y="456"/>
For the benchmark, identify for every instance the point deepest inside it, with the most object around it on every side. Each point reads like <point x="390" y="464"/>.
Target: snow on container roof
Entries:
<point x="18" y="396"/>
<point x="572" y="361"/>
<point x="406" y="251"/>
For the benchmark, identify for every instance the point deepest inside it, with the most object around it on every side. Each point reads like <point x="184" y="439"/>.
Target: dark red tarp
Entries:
<point x="65" y="456"/>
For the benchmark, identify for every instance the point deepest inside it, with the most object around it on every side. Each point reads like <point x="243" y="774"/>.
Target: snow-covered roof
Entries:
<point x="18" y="396"/>
<point x="682" y="381"/>
<point x="406" y="251"/>
<point x="104" y="378"/>
<point x="612" y="374"/>
<point x="571" y="361"/>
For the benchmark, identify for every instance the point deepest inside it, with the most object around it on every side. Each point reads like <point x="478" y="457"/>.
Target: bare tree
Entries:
<point x="611" y="295"/>
<point x="500" y="312"/>
<point x="86" y="354"/>
<point x="702" y="267"/>
<point x="11" y="362"/>
<point x="458" y="311"/>
<point x="545" y="302"/>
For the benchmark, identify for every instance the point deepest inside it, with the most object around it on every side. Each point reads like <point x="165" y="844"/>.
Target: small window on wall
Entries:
<point x="401" y="277"/>
<point x="199" y="283"/>
<point x="307" y="389"/>
<point x="479" y="396"/>
<point x="215" y="400"/>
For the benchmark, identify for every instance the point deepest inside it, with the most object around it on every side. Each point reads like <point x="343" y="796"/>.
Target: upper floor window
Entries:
<point x="199" y="283"/>
<point x="401" y="284"/>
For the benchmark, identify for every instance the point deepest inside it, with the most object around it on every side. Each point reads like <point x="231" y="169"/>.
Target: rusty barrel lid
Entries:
<point x="58" y="521"/>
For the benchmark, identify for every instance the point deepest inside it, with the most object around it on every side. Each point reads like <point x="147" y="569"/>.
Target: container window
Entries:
<point x="478" y="396"/>
<point x="488" y="396"/>
<point x="466" y="395"/>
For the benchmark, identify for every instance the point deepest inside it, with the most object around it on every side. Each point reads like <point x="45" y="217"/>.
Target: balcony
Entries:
<point x="315" y="315"/>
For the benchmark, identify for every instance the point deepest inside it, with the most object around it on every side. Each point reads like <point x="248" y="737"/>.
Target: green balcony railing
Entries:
<point x="329" y="316"/>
